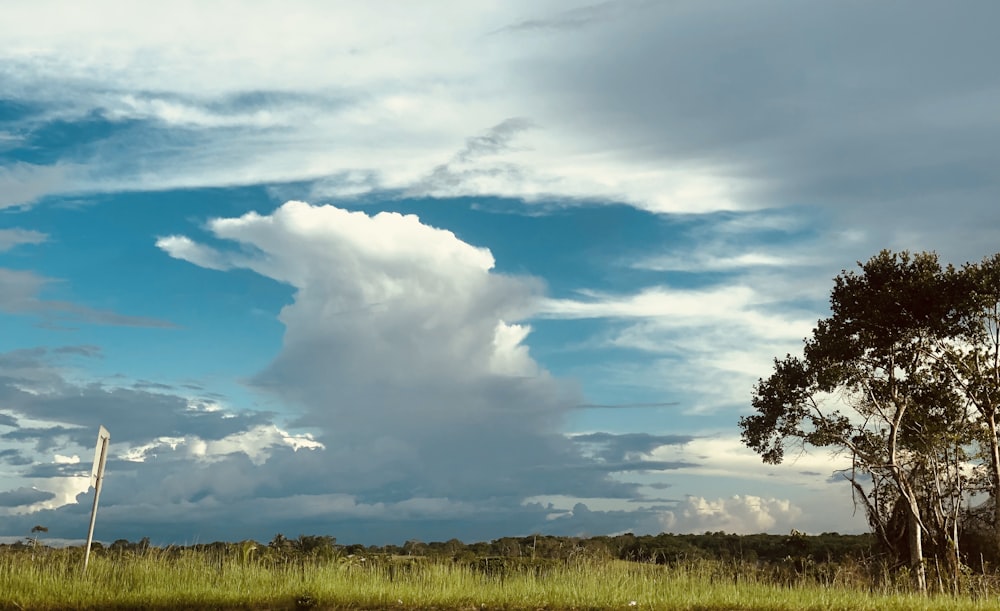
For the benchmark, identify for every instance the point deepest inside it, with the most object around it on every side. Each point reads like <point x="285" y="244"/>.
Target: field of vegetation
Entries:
<point x="711" y="571"/>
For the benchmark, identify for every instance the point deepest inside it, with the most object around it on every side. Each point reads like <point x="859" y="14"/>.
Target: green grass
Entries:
<point x="159" y="580"/>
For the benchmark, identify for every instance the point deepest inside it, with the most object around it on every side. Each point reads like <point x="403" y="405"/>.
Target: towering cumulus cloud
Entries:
<point x="401" y="352"/>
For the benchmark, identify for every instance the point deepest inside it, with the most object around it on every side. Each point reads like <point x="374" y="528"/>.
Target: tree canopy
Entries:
<point x="903" y="377"/>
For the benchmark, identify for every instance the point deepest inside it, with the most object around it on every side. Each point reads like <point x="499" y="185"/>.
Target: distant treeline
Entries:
<point x="661" y="549"/>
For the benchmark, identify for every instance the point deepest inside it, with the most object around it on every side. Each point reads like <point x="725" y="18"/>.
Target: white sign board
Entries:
<point x="103" y="436"/>
<point x="96" y="479"/>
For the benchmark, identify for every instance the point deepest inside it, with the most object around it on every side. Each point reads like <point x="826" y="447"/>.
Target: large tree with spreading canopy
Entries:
<point x="903" y="377"/>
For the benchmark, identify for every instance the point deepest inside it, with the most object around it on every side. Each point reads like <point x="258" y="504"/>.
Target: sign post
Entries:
<point x="96" y="479"/>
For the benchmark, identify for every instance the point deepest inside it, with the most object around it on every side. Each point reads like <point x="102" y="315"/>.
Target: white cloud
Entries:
<point x="256" y="443"/>
<point x="181" y="247"/>
<point x="419" y="338"/>
<point x="402" y="350"/>
<point x="23" y="183"/>
<point x="709" y="467"/>
<point x="727" y="457"/>
<point x="713" y="263"/>
<point x="188" y="115"/>
<point x="66" y="490"/>
<point x="695" y="336"/>
<point x="9" y="238"/>
<point x="669" y="304"/>
<point x="744" y="514"/>
<point x="510" y="357"/>
<point x="672" y="122"/>
<point x="323" y="94"/>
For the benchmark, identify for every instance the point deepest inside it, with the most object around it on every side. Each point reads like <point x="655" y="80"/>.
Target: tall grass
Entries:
<point x="158" y="579"/>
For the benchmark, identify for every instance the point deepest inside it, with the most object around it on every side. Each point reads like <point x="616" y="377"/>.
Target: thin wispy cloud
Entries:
<point x="10" y="238"/>
<point x="20" y="293"/>
<point x="21" y="184"/>
<point x="583" y="16"/>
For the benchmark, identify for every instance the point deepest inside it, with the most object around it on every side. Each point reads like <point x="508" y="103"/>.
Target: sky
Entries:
<point x="393" y="270"/>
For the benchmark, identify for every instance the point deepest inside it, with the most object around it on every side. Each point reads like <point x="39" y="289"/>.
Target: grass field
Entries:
<point x="187" y="580"/>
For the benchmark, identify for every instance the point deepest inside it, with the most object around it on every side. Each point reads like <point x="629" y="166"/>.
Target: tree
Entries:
<point x="315" y="546"/>
<point x="415" y="547"/>
<point x="37" y="529"/>
<point x="280" y="548"/>
<point x="869" y="384"/>
<point x="972" y="362"/>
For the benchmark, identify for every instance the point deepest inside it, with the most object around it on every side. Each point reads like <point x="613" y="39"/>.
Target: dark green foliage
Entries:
<point x="670" y="548"/>
<point x="663" y="548"/>
<point x="879" y="381"/>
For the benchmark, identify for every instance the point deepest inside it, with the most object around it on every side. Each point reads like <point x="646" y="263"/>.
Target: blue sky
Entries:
<point x="476" y="270"/>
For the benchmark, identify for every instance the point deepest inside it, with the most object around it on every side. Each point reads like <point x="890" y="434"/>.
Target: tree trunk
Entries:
<point x="995" y="483"/>
<point x="916" y="547"/>
<point x="956" y="560"/>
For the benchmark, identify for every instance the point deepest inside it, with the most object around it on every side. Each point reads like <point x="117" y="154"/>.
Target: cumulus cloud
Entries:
<point x="404" y="358"/>
<point x="740" y="514"/>
<point x="44" y="405"/>
<point x="256" y="443"/>
<point x="401" y="348"/>
<point x="737" y="514"/>
<point x="168" y="449"/>
<point x="800" y="163"/>
<point x="804" y="493"/>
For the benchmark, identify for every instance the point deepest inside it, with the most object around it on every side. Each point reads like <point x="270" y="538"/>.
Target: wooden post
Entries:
<point x="96" y="480"/>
